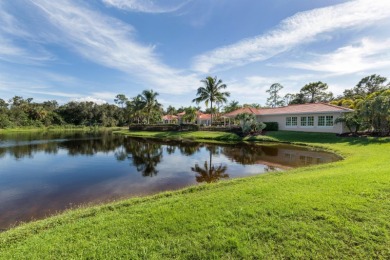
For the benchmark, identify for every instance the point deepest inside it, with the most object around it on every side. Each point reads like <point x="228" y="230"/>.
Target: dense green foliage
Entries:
<point x="20" y="112"/>
<point x="271" y="126"/>
<point x="337" y="210"/>
<point x="370" y="99"/>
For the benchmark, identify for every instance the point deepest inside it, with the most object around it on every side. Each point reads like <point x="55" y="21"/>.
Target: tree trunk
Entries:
<point x="211" y="113"/>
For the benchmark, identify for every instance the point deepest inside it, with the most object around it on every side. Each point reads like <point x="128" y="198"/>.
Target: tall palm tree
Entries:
<point x="211" y="92"/>
<point x="150" y="103"/>
<point x="135" y="109"/>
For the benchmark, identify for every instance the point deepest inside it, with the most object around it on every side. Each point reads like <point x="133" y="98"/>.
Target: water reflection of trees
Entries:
<point x="80" y="143"/>
<point x="145" y="156"/>
<point x="91" y="145"/>
<point x="189" y="148"/>
<point x="209" y="172"/>
<point x="28" y="151"/>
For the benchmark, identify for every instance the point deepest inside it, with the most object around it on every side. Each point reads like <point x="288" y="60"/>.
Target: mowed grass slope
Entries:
<point x="337" y="210"/>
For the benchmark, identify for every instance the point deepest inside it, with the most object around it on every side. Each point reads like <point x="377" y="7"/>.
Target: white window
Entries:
<point x="291" y="121"/>
<point x="310" y="120"/>
<point x="294" y="121"/>
<point x="329" y="120"/>
<point x="321" y="121"/>
<point x="288" y="121"/>
<point x="325" y="121"/>
<point x="307" y="120"/>
<point x="303" y="121"/>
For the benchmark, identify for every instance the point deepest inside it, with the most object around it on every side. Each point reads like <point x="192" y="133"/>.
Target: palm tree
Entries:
<point x="190" y="114"/>
<point x="150" y="103"/>
<point x="211" y="92"/>
<point x="134" y="108"/>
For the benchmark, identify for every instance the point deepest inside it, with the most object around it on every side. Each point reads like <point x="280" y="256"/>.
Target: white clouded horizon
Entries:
<point x="147" y="6"/>
<point x="298" y="29"/>
<point x="367" y="54"/>
<point x="91" y="99"/>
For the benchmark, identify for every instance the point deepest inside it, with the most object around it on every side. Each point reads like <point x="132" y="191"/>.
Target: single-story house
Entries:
<point x="170" y="119"/>
<point x="201" y="118"/>
<point x="311" y="117"/>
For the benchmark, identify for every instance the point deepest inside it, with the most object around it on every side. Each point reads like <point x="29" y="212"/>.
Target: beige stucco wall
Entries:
<point x="281" y="119"/>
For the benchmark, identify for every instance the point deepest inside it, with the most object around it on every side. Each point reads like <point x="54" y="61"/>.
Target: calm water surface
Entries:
<point x="41" y="174"/>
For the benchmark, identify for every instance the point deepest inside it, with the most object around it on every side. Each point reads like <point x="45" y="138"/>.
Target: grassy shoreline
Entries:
<point x="59" y="128"/>
<point x="337" y="210"/>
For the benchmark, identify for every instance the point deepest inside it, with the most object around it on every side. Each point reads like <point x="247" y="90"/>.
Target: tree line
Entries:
<point x="370" y="99"/>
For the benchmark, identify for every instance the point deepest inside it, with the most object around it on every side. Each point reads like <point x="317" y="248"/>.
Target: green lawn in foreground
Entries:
<point x="337" y="210"/>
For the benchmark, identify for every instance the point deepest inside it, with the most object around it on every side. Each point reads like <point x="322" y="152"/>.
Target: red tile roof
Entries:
<point x="308" y="108"/>
<point x="169" y="117"/>
<point x="249" y="110"/>
<point x="199" y="115"/>
<point x="204" y="116"/>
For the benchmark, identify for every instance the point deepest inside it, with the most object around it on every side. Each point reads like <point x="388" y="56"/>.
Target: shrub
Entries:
<point x="189" y="127"/>
<point x="271" y="126"/>
<point x="249" y="124"/>
<point x="164" y="127"/>
<point x="233" y="129"/>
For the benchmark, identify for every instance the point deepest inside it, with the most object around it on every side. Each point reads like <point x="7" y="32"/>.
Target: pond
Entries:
<point x="45" y="173"/>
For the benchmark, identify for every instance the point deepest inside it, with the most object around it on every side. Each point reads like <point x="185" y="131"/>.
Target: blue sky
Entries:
<point x="92" y="50"/>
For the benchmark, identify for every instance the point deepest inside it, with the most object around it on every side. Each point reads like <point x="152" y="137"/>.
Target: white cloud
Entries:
<point x="108" y="96"/>
<point x="11" y="29"/>
<point x="91" y="99"/>
<point x="147" y="6"/>
<point x="109" y="42"/>
<point x="53" y="93"/>
<point x="365" y="55"/>
<point x="298" y="29"/>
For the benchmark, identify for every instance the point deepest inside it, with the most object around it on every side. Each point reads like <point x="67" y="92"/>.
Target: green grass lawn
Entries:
<point x="337" y="210"/>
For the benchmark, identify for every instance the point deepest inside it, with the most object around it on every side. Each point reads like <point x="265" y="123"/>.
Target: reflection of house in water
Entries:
<point x="297" y="157"/>
<point x="301" y="158"/>
<point x="277" y="156"/>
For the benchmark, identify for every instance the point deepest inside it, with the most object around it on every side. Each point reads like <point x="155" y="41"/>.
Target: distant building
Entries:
<point x="201" y="118"/>
<point x="311" y="117"/>
<point x="170" y="119"/>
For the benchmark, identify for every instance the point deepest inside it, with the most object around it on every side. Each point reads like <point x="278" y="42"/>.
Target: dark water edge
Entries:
<point x="42" y="174"/>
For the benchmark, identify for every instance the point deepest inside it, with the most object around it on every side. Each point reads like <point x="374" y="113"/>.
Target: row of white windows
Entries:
<point x="309" y="121"/>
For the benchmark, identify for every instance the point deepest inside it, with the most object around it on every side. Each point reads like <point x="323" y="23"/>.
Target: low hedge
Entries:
<point x="231" y="129"/>
<point x="164" y="127"/>
<point x="271" y="126"/>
